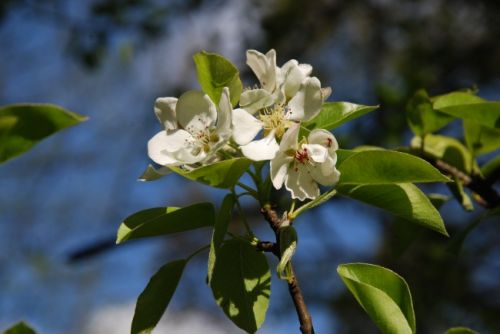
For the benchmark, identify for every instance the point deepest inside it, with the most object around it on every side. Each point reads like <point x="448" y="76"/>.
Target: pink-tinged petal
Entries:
<point x="195" y="111"/>
<point x="263" y="149"/>
<point x="264" y="67"/>
<point x="157" y="150"/>
<point x="324" y="138"/>
<point x="316" y="152"/>
<point x="165" y="112"/>
<point x="306" y="104"/>
<point x="245" y="126"/>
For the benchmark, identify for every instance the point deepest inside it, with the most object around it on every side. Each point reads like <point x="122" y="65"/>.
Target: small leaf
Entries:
<point x="216" y="72"/>
<point x="334" y="114"/>
<point x="383" y="294"/>
<point x="152" y="174"/>
<point x="460" y="330"/>
<point x="19" y="328"/>
<point x="421" y="116"/>
<point x="22" y="126"/>
<point x="484" y="113"/>
<point x="457" y="189"/>
<point x="165" y="220"/>
<point x="155" y="298"/>
<point x="383" y="166"/>
<point x="288" y="245"/>
<point x="481" y="139"/>
<point x="223" y="174"/>
<point x="220" y="229"/>
<point x="455" y="99"/>
<point x="447" y="149"/>
<point x="241" y="284"/>
<point x="404" y="200"/>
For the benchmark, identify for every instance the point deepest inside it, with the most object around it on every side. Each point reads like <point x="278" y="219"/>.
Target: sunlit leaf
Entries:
<point x="383" y="294"/>
<point x="288" y="245"/>
<point x="220" y="229"/>
<point x="22" y="126"/>
<point x="422" y="117"/>
<point x="383" y="166"/>
<point x="155" y="298"/>
<point x="241" y="284"/>
<point x="216" y="72"/>
<point x="460" y="330"/>
<point x="404" y="200"/>
<point x="334" y="114"/>
<point x="458" y="191"/>
<point x="165" y="220"/>
<point x="484" y="113"/>
<point x="481" y="139"/>
<point x="20" y="328"/>
<point x="455" y="99"/>
<point x="223" y="174"/>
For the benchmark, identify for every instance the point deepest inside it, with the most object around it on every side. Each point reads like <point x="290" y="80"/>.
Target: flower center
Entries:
<point x="273" y="118"/>
<point x="204" y="139"/>
<point x="302" y="156"/>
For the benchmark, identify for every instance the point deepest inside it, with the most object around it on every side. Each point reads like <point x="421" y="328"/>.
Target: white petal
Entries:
<point x="264" y="67"/>
<point x="290" y="139"/>
<point x="326" y="92"/>
<point x="293" y="77"/>
<point x="279" y="169"/>
<point x="165" y="112"/>
<point x="263" y="149"/>
<point x="255" y="99"/>
<point x="300" y="183"/>
<point x="325" y="173"/>
<point x="185" y="155"/>
<point x="177" y="139"/>
<point x="224" y="115"/>
<point x="306" y="104"/>
<point x="195" y="111"/>
<point x="316" y="152"/>
<point x="245" y="126"/>
<point x="306" y="69"/>
<point x="324" y="138"/>
<point x="157" y="150"/>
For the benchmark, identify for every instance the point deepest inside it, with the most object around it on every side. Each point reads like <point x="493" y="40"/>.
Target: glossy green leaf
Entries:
<point x="288" y="245"/>
<point x="155" y="298"/>
<point x="455" y="99"/>
<point x="165" y="220"/>
<point x="383" y="294"/>
<point x="481" y="139"/>
<point x="383" y="166"/>
<point x="152" y="174"/>
<point x="216" y="72"/>
<point x="446" y="149"/>
<point x="484" y="113"/>
<point x="220" y="229"/>
<point x="241" y="284"/>
<point x="460" y="330"/>
<point x="404" y="200"/>
<point x="334" y="114"/>
<point x="22" y="126"/>
<point x="421" y="116"/>
<point x="20" y="328"/>
<point x="223" y="174"/>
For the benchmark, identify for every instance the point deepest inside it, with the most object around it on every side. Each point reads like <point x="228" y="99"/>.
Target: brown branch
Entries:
<point x="305" y="319"/>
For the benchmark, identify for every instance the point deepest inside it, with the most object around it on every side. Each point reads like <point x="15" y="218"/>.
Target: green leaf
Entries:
<point x="383" y="294"/>
<point x="490" y="168"/>
<point x="481" y="139"/>
<point x="155" y="298"/>
<point x="19" y="328"/>
<point x="152" y="174"/>
<point x="241" y="284"/>
<point x="455" y="99"/>
<point x="22" y="126"/>
<point x="220" y="229"/>
<point x="446" y="149"/>
<point x="421" y="116"/>
<point x="460" y="330"/>
<point x="288" y="245"/>
<point x="404" y="200"/>
<point x="223" y="174"/>
<point x="383" y="166"/>
<point x="216" y="72"/>
<point x="334" y="114"/>
<point x="457" y="189"/>
<point x="484" y="113"/>
<point x="165" y="220"/>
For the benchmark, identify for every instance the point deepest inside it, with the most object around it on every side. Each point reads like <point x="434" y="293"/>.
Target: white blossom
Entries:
<point x="287" y="95"/>
<point x="193" y="128"/>
<point x="302" y="165"/>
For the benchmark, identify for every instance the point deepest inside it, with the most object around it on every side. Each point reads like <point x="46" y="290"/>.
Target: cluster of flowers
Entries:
<point x="266" y="126"/>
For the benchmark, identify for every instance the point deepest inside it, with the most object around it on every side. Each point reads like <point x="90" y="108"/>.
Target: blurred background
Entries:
<point x="60" y="204"/>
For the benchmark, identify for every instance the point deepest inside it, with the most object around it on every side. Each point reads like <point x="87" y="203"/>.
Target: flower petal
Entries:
<point x="165" y="112"/>
<point x="255" y="99"/>
<point x="325" y="173"/>
<point x="157" y="150"/>
<point x="279" y="169"/>
<point x="263" y="149"/>
<point x="290" y="138"/>
<point x="324" y="138"/>
<point x="293" y="77"/>
<point x="245" y="126"/>
<point x="301" y="184"/>
<point x="224" y="116"/>
<point x="316" y="152"/>
<point x="306" y="104"/>
<point x="195" y="111"/>
<point x="264" y="67"/>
